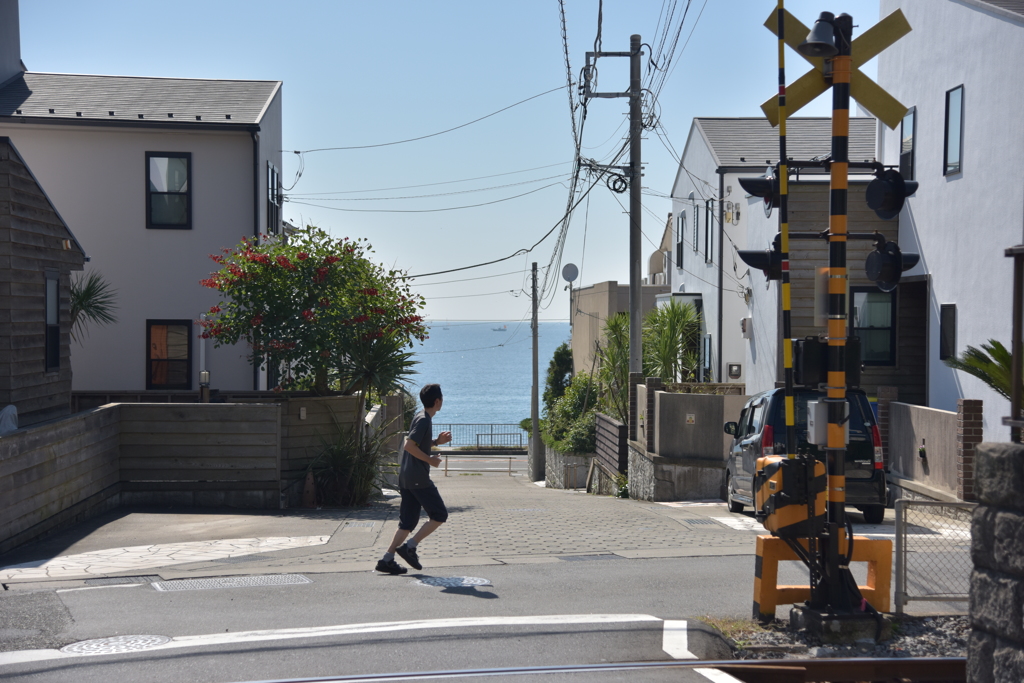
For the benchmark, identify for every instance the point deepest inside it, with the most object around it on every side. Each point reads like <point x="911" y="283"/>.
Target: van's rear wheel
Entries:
<point x="733" y="505"/>
<point x="873" y="514"/>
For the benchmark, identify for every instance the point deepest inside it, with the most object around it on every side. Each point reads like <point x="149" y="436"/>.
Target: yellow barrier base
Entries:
<point x="771" y="550"/>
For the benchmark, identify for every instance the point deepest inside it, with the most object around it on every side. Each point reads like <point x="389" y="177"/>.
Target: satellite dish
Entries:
<point x="570" y="272"/>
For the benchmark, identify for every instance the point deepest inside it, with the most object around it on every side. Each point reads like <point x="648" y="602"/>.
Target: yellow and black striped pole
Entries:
<point x="839" y="596"/>
<point x="787" y="326"/>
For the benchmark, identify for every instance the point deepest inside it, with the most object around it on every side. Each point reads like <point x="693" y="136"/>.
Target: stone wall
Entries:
<point x="566" y="470"/>
<point x="995" y="653"/>
<point x="655" y="478"/>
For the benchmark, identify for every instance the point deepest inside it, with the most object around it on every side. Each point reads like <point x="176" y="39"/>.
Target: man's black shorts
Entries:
<point x="413" y="500"/>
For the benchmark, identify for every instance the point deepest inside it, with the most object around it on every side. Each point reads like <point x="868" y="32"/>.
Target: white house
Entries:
<point x="155" y="174"/>
<point x="958" y="71"/>
<point x="711" y="214"/>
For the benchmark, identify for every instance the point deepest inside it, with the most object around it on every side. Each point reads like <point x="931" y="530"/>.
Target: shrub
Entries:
<point x="571" y="426"/>
<point x="347" y="471"/>
<point x="559" y="376"/>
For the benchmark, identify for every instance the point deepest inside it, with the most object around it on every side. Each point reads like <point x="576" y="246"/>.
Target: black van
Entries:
<point x="761" y="430"/>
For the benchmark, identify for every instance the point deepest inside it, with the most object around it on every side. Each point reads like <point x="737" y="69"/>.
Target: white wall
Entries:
<point x="698" y="275"/>
<point x="96" y="178"/>
<point x="960" y="224"/>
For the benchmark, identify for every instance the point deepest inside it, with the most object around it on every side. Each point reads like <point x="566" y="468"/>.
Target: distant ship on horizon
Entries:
<point x="503" y="328"/>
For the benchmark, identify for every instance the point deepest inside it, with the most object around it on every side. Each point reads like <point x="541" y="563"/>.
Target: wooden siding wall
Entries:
<point x="201" y="454"/>
<point x="302" y="439"/>
<point x="809" y="206"/>
<point x="58" y="474"/>
<point x="612" y="450"/>
<point x="31" y="241"/>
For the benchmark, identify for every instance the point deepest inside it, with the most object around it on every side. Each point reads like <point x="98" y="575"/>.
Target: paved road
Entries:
<point x="544" y="577"/>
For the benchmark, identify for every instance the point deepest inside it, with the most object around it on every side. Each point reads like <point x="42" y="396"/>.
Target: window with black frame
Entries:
<point x="168" y="354"/>
<point x="680" y="232"/>
<point x="273" y="200"/>
<point x="954" y="130"/>
<point x="169" y="190"/>
<point x="52" y="313"/>
<point x="874" y="321"/>
<point x="907" y="133"/>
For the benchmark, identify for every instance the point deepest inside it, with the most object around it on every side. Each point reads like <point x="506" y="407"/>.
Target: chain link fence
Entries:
<point x="933" y="551"/>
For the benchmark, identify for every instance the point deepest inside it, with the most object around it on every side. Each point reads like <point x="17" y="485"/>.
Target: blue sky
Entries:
<point x="362" y="73"/>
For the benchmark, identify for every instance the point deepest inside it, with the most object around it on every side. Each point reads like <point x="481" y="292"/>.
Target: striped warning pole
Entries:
<point x="787" y="326"/>
<point x="839" y="597"/>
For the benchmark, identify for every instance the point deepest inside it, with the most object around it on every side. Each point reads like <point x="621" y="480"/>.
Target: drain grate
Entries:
<point x="700" y="521"/>
<point x="115" y="645"/>
<point x="586" y="558"/>
<point x="453" y="581"/>
<point x="360" y="524"/>
<point x="230" y="582"/>
<point x="121" y="580"/>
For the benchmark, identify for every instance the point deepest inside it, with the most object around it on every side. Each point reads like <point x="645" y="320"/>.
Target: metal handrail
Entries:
<point x="476" y="456"/>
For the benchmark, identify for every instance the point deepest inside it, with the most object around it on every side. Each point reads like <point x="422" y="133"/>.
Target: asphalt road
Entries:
<point x="521" y="576"/>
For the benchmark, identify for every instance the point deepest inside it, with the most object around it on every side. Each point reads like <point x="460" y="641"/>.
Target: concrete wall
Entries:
<point x="58" y="473"/>
<point x="995" y="651"/>
<point x="690" y="426"/>
<point x="918" y="70"/>
<point x="914" y="426"/>
<point x="566" y="470"/>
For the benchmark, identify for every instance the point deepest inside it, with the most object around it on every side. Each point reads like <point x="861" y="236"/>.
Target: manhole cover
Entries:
<point x="115" y="645"/>
<point x="453" y="581"/>
<point x="700" y="521"/>
<point x="230" y="582"/>
<point x="585" y="558"/>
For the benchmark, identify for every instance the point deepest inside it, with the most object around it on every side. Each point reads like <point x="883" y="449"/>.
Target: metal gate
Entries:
<point x="933" y="551"/>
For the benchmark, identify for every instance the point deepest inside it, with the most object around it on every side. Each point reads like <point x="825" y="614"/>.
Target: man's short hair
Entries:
<point x="429" y="395"/>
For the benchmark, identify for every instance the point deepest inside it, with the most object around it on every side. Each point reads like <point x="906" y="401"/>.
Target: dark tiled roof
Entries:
<point x="752" y="141"/>
<point x="74" y="96"/>
<point x="1015" y="6"/>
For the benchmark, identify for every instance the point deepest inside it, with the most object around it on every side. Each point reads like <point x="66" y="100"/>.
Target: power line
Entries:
<point x="467" y="296"/>
<point x="443" y="182"/>
<point x="421" y="196"/>
<point x="431" y="135"/>
<point x="447" y="208"/>
<point x="468" y="279"/>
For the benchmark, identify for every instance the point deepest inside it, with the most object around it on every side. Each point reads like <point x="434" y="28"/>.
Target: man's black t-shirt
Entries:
<point x="415" y="473"/>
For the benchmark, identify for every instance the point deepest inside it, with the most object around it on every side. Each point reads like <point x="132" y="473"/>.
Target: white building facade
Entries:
<point x="958" y="72"/>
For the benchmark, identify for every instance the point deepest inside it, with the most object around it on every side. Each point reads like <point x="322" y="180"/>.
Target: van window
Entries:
<point x="757" y="417"/>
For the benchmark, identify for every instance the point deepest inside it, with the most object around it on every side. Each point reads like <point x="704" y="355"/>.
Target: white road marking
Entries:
<point x="740" y="523"/>
<point x="717" y="676"/>
<point x="92" y="588"/>
<point x="674" y="640"/>
<point x="245" y="637"/>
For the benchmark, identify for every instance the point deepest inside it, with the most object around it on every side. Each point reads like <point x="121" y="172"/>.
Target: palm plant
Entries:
<point x="380" y="364"/>
<point x="613" y="370"/>
<point x="670" y="341"/>
<point x="991" y="364"/>
<point x="92" y="301"/>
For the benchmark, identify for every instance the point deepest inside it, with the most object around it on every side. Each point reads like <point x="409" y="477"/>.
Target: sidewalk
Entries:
<point x="494" y="520"/>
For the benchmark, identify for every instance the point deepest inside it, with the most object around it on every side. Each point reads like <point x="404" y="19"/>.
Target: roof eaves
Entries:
<point x="266" y="105"/>
<point x="132" y="123"/>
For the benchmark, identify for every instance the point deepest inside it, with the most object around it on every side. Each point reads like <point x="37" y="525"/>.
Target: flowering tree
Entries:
<point x="319" y="305"/>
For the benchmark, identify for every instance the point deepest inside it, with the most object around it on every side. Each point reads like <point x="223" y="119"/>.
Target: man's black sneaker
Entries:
<point x="390" y="567"/>
<point x="409" y="555"/>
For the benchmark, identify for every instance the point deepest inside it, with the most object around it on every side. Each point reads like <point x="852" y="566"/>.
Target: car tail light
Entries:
<point x="768" y="440"/>
<point x="876" y="436"/>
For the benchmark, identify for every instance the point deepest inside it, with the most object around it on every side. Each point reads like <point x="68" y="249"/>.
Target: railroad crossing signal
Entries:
<point x="813" y="83"/>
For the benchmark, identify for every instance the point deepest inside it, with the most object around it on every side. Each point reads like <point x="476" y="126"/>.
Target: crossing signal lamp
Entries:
<point x="766" y="187"/>
<point x="768" y="261"/>
<point x="887" y="263"/>
<point x="887" y="193"/>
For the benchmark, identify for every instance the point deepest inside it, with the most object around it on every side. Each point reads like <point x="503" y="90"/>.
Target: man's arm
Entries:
<point x="414" y="450"/>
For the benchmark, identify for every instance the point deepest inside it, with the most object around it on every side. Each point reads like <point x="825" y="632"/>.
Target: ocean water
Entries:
<point x="485" y="374"/>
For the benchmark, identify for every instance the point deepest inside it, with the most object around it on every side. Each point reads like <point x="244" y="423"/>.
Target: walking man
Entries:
<point x="418" y="492"/>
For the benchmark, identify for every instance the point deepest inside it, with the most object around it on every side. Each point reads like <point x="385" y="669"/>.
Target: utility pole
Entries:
<point x="635" y="171"/>
<point x="537" y="455"/>
<point x="636" y="128"/>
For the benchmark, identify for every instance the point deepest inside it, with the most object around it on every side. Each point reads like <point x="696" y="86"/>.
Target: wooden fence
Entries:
<point x="191" y="454"/>
<point x="612" y="452"/>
